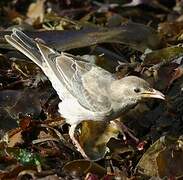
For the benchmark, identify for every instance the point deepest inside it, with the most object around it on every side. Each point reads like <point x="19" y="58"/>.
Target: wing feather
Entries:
<point x="71" y="77"/>
<point x="87" y="82"/>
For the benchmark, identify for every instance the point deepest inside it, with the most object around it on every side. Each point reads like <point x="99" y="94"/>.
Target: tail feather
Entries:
<point x="43" y="56"/>
<point x="26" y="45"/>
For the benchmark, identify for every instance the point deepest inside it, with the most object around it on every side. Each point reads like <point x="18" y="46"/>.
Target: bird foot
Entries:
<point x="123" y="129"/>
<point x="76" y="142"/>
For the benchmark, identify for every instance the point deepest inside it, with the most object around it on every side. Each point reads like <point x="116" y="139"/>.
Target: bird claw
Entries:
<point x="123" y="129"/>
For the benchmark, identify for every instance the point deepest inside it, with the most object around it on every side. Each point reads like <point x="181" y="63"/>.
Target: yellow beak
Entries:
<point x="153" y="94"/>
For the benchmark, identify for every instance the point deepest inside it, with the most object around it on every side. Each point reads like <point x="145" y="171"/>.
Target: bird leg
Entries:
<point x="123" y="129"/>
<point x="75" y="141"/>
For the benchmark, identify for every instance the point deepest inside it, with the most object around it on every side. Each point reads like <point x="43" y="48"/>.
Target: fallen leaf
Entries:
<point x="82" y="167"/>
<point x="36" y="11"/>
<point x="95" y="136"/>
<point x="125" y="34"/>
<point x="164" y="158"/>
<point x="164" y="55"/>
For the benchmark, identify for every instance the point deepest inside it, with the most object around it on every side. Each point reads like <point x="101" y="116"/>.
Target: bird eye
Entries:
<point x="137" y="90"/>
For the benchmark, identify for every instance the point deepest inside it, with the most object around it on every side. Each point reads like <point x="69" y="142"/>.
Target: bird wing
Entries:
<point x="87" y="82"/>
<point x="71" y="77"/>
<point x="43" y="56"/>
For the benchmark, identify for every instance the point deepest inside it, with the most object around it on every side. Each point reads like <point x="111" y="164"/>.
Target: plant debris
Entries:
<point x="141" y="38"/>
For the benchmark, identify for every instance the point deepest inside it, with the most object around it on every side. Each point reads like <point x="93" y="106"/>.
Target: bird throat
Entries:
<point x="121" y="108"/>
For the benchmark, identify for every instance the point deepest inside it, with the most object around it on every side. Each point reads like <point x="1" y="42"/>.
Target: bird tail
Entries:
<point x="25" y="45"/>
<point x="42" y="55"/>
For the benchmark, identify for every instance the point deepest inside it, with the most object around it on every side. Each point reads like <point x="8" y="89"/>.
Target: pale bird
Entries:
<point x="87" y="91"/>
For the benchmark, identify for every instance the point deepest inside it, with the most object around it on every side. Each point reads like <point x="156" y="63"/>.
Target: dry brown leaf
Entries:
<point x="95" y="136"/>
<point x="14" y="137"/>
<point x="36" y="11"/>
<point x="163" y="158"/>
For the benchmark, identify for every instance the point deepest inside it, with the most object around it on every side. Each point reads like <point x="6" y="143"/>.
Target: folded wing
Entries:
<point x="87" y="82"/>
<point x="70" y="76"/>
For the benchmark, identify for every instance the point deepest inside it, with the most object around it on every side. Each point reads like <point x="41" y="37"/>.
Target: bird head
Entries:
<point x="133" y="89"/>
